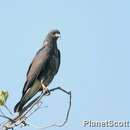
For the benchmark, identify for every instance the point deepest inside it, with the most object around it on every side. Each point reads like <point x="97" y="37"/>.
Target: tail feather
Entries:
<point x="17" y="107"/>
<point x="27" y="96"/>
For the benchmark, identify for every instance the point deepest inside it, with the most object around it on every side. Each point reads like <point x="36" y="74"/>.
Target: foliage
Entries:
<point x="3" y="97"/>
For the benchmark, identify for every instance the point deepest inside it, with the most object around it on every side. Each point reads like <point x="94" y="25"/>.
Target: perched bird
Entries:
<point x="42" y="70"/>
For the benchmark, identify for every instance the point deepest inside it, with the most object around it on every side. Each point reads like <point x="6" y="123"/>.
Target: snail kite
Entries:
<point x="42" y="70"/>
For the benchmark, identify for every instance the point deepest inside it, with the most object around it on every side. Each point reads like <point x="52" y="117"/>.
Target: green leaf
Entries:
<point x="3" y="97"/>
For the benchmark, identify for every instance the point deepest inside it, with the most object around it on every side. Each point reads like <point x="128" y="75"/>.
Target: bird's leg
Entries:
<point x="45" y="89"/>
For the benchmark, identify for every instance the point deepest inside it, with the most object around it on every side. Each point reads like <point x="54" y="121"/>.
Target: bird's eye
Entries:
<point x="53" y="33"/>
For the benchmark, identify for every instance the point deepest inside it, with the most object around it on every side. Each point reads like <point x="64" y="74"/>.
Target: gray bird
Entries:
<point x="42" y="70"/>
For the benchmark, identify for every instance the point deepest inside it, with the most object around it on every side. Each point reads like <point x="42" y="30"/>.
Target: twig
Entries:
<point x="1" y="112"/>
<point x="8" y="109"/>
<point x="34" y="111"/>
<point x="6" y="117"/>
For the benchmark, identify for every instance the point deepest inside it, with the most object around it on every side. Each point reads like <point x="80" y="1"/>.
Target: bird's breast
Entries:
<point x="50" y="70"/>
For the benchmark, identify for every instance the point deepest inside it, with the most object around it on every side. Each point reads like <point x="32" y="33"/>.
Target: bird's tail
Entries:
<point x="18" y="107"/>
<point x="27" y="96"/>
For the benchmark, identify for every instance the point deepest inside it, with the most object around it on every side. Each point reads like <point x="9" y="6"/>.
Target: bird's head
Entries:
<point x="55" y="34"/>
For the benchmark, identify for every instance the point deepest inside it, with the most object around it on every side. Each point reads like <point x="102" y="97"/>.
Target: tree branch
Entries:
<point x="20" y="119"/>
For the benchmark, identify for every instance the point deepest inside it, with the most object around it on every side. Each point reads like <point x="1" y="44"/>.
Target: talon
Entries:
<point x="48" y="92"/>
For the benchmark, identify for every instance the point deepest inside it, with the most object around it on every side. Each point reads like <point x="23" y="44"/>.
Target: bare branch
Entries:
<point x="21" y="118"/>
<point x="67" y="114"/>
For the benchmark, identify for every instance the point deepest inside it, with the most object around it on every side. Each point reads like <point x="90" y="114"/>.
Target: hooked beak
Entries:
<point x="57" y="35"/>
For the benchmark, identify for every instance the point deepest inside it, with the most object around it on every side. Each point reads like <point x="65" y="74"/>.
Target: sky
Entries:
<point x="95" y="53"/>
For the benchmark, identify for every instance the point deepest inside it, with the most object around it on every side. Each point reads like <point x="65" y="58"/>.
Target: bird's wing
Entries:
<point x="57" y="61"/>
<point x="33" y="61"/>
<point x="39" y="62"/>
